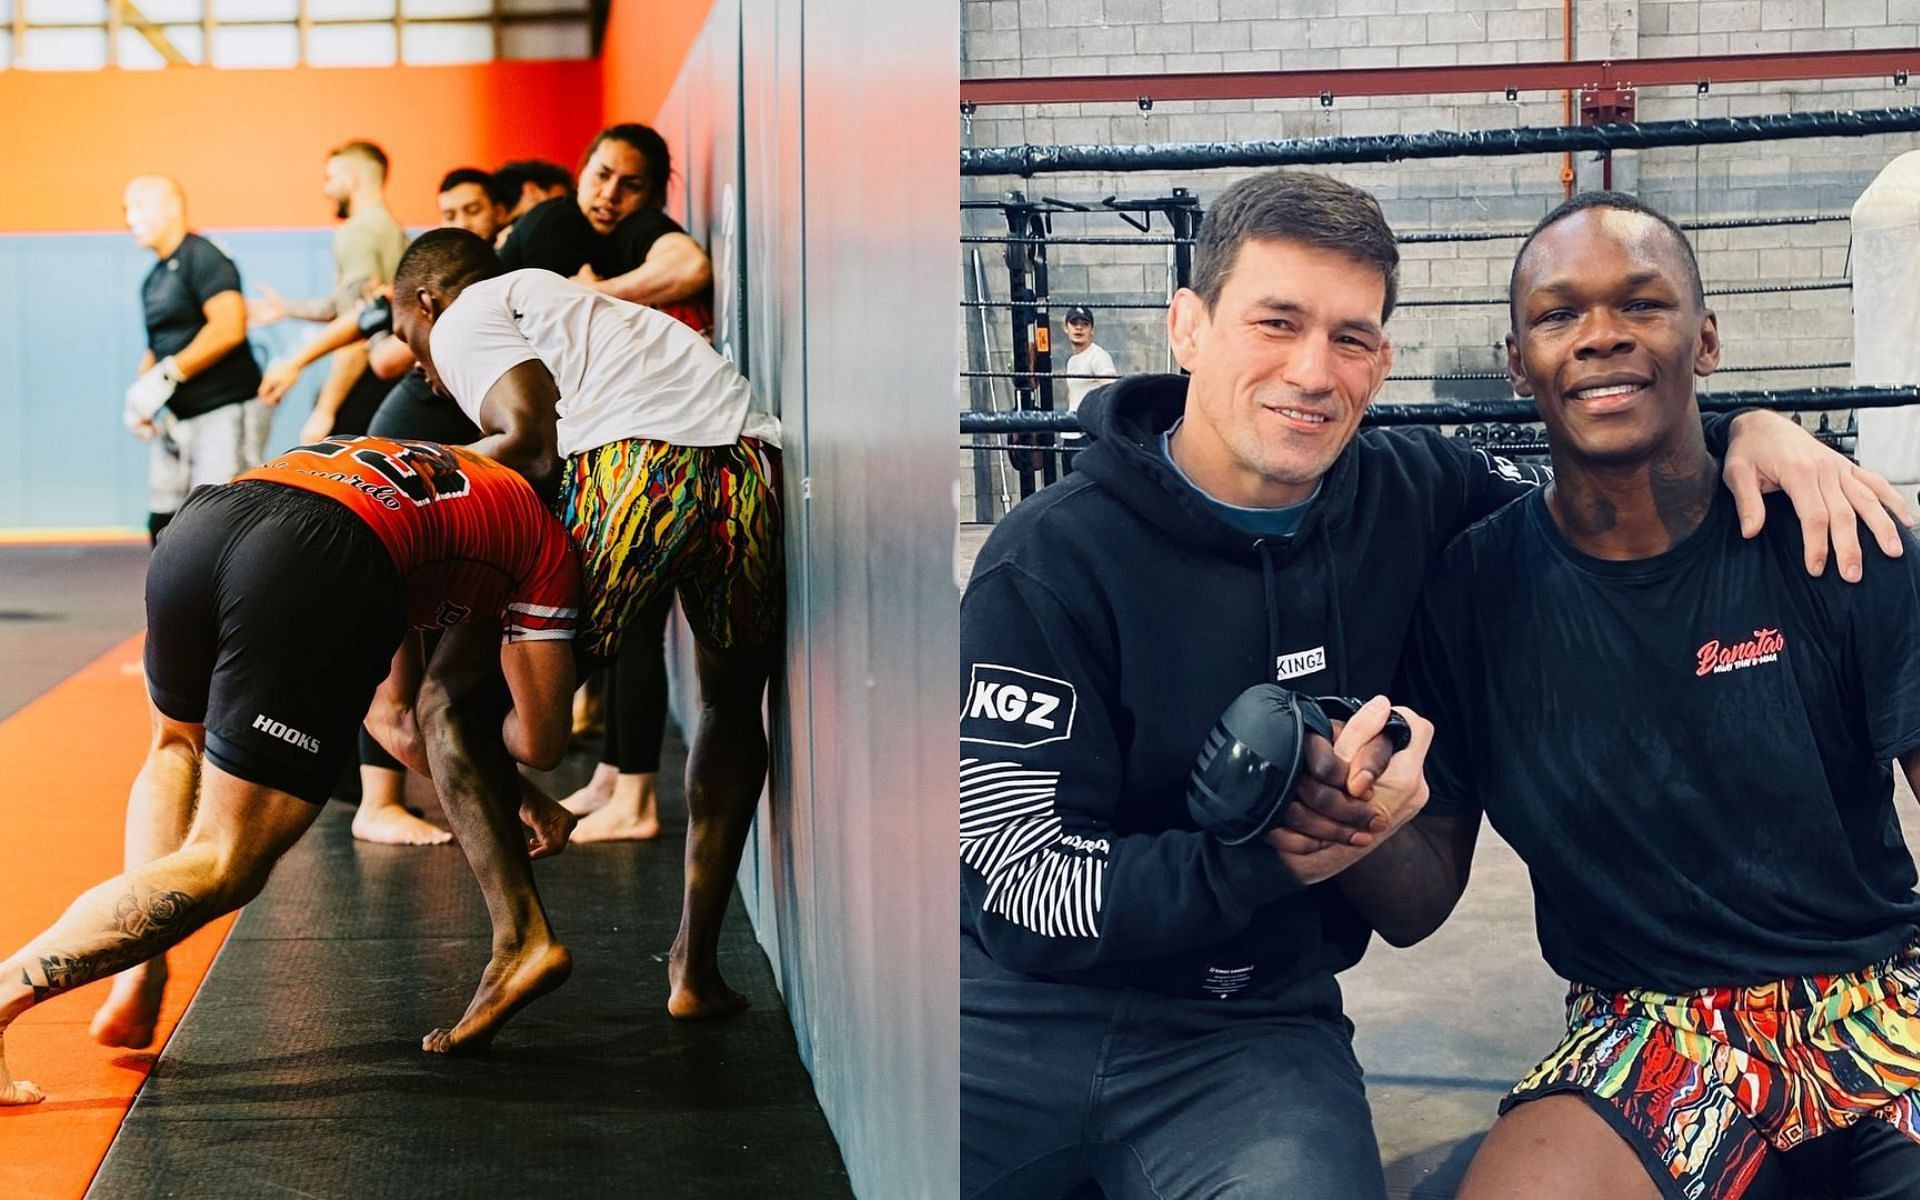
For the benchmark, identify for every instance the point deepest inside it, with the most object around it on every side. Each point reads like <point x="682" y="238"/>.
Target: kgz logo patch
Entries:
<point x="1006" y="706"/>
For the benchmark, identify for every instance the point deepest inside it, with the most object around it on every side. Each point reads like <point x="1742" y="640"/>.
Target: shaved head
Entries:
<point x="160" y="189"/>
<point x="156" y="212"/>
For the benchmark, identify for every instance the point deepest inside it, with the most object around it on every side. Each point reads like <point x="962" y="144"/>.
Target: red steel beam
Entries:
<point x="1420" y="81"/>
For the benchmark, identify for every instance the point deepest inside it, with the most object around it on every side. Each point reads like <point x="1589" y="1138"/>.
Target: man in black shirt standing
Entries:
<point x="1687" y="737"/>
<point x="198" y="376"/>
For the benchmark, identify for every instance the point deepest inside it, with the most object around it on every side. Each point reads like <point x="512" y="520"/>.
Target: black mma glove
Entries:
<point x="1244" y="778"/>
<point x="376" y="317"/>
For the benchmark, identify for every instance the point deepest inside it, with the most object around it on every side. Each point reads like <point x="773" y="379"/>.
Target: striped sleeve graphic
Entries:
<point x="540" y="623"/>
<point x="1009" y="832"/>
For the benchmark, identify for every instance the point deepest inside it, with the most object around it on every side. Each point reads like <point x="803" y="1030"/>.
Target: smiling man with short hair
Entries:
<point x="1687" y="738"/>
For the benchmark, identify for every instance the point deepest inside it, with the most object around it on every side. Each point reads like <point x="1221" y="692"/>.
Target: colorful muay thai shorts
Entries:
<point x="704" y="521"/>
<point x="1707" y="1085"/>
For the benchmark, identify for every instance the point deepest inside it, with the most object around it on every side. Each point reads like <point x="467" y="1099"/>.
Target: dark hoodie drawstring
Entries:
<point x="1273" y="609"/>
<point x="1323" y="549"/>
<point x="1336" y="649"/>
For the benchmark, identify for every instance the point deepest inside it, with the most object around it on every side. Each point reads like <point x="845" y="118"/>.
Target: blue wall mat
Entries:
<point x="70" y="340"/>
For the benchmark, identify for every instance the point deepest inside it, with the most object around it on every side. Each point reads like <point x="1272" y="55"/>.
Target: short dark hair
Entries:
<point x="445" y="261"/>
<point x="459" y="175"/>
<point x="652" y="149"/>
<point x="1294" y="206"/>
<point x="514" y="176"/>
<point x="364" y="150"/>
<point x="1621" y="202"/>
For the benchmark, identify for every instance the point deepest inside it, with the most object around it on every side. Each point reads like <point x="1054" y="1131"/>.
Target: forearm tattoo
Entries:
<point x="146" y="924"/>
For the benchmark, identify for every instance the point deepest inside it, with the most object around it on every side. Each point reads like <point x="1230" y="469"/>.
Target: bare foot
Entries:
<point x="392" y="825"/>
<point x="552" y="825"/>
<point x="696" y="996"/>
<point x="589" y="712"/>
<point x="508" y="985"/>
<point x="131" y="1009"/>
<point x="19" y="1091"/>
<point x="595" y="794"/>
<point x="16" y="1091"/>
<point x="621" y="823"/>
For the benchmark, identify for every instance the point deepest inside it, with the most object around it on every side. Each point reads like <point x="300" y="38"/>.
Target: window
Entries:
<point x="78" y="35"/>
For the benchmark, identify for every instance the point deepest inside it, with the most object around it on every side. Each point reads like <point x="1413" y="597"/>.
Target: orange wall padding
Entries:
<point x="250" y="146"/>
<point x="645" y="47"/>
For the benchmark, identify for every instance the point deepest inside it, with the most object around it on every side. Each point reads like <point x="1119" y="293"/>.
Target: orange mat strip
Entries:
<point x="66" y="762"/>
<point x="73" y="537"/>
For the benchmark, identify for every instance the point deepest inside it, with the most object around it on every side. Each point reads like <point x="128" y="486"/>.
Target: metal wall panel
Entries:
<point x="847" y="131"/>
<point x="772" y="322"/>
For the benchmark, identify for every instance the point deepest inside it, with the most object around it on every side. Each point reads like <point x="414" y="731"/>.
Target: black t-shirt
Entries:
<point x="1690" y="752"/>
<point x="553" y="235"/>
<point x="628" y="246"/>
<point x="411" y="410"/>
<point x="632" y="239"/>
<point x="175" y="295"/>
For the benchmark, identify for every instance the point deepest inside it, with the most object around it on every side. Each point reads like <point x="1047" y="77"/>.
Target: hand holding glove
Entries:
<point x="149" y="394"/>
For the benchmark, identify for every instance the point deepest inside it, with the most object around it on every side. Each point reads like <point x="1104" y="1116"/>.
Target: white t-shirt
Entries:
<point x="1091" y="361"/>
<point x="622" y="370"/>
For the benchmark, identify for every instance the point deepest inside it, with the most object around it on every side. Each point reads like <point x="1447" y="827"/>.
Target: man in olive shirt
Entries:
<point x="194" y="398"/>
<point x="365" y="252"/>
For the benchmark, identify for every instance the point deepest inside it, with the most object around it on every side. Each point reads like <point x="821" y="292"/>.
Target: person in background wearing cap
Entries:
<point x="1088" y="359"/>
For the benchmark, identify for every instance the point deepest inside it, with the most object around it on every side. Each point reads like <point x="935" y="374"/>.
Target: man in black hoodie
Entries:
<point x="1142" y="1004"/>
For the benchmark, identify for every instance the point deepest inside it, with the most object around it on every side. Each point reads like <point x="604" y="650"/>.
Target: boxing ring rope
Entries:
<point x="1496" y="426"/>
<point x="1762" y="289"/>
<point x="1455" y="412"/>
<point x="1427" y="237"/>
<point x="1030" y="160"/>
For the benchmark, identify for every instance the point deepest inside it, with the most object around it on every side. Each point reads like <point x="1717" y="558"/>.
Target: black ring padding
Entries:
<point x="1489" y="376"/>
<point x="1036" y="375"/>
<point x="1032" y="160"/>
<point x="1436" y="377"/>
<point x="1504" y="447"/>
<point x="1450" y="412"/>
<point x="1762" y="289"/>
<point x="1153" y="304"/>
<point x="1758" y="289"/>
<point x="990" y="239"/>
<point x="1767" y="289"/>
<point x="1417" y="238"/>
<point x="1497" y="235"/>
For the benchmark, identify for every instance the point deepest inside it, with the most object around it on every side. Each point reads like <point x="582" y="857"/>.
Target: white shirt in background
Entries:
<point x="1886" y="315"/>
<point x="1091" y="361"/>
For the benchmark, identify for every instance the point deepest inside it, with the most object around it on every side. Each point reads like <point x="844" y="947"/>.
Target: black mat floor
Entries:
<point x="61" y="607"/>
<point x="297" y="1071"/>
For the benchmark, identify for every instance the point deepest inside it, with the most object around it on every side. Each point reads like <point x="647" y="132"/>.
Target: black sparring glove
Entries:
<point x="376" y="317"/>
<point x="1244" y="778"/>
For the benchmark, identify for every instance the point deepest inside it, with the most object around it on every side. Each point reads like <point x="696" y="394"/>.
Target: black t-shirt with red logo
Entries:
<point x="1692" y="752"/>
